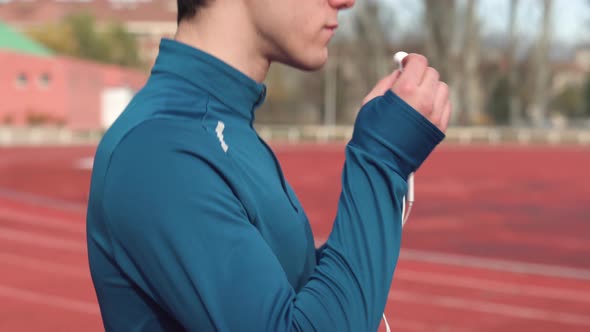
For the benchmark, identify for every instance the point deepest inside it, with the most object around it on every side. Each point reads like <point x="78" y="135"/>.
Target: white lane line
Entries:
<point x="319" y="241"/>
<point x="397" y="323"/>
<point x="36" y="220"/>
<point x="44" y="241"/>
<point x="494" y="286"/>
<point x="502" y="265"/>
<point x="84" y="163"/>
<point x="514" y="311"/>
<point x="36" y="264"/>
<point x="42" y="200"/>
<point x="408" y="325"/>
<point x="30" y="296"/>
<point x="495" y="264"/>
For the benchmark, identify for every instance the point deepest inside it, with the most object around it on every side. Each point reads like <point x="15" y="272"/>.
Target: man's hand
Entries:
<point x="420" y="87"/>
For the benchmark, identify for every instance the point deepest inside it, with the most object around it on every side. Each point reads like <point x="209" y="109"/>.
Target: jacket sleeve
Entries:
<point x="186" y="237"/>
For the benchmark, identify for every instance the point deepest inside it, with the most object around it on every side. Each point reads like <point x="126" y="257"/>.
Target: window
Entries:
<point x="21" y="80"/>
<point x="44" y="80"/>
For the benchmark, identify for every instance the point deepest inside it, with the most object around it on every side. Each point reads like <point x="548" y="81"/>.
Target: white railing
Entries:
<point x="10" y="136"/>
<point x="456" y="135"/>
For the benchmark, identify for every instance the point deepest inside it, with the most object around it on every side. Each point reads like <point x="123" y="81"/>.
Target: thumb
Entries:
<point x="381" y="88"/>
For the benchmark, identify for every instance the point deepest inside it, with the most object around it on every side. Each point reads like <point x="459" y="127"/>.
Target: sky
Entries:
<point x="571" y="20"/>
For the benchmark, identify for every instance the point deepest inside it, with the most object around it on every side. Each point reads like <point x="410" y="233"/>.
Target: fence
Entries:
<point x="455" y="135"/>
<point x="10" y="136"/>
<point x="317" y="134"/>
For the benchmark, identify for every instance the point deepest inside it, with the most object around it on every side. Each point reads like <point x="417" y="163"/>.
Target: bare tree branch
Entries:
<point x="538" y="109"/>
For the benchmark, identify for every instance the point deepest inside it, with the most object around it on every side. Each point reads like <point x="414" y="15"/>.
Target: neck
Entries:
<point x="224" y="31"/>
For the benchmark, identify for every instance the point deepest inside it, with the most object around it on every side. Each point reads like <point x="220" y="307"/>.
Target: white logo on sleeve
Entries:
<point x="219" y="131"/>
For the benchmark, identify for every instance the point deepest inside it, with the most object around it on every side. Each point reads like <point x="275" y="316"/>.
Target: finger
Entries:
<point x="442" y="95"/>
<point x="395" y="77"/>
<point x="440" y="100"/>
<point x="430" y="80"/>
<point x="381" y="88"/>
<point x="414" y="68"/>
<point x="446" y="116"/>
<point x="427" y="93"/>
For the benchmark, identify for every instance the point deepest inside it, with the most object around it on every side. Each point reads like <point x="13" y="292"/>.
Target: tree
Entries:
<point x="498" y="103"/>
<point x="79" y="35"/>
<point x="56" y="36"/>
<point x="471" y="85"/>
<point x="570" y="101"/>
<point x="538" y="108"/>
<point x="371" y="40"/>
<point x="586" y="92"/>
<point x="441" y="35"/>
<point x="515" y="102"/>
<point x="358" y="60"/>
<point x="440" y="18"/>
<point x="90" y="44"/>
<point x="587" y="89"/>
<point x="122" y="45"/>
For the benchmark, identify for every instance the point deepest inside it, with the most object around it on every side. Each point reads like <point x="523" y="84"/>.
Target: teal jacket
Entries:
<point x="192" y="225"/>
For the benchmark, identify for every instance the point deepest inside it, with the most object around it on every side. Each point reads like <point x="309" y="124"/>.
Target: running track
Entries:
<point x="499" y="239"/>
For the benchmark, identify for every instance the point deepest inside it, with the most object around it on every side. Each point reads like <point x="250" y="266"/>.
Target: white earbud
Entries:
<point x="399" y="59"/>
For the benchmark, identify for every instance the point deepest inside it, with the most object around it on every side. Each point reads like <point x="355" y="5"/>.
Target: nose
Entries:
<point x="341" y="4"/>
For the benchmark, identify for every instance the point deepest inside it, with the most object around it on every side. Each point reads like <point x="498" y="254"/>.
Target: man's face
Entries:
<point x="297" y="32"/>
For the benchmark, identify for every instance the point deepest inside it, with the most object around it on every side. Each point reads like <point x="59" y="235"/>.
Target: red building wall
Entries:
<point x="31" y="87"/>
<point x="83" y="92"/>
<point x="58" y="90"/>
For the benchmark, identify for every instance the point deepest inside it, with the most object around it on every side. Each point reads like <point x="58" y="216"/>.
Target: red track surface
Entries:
<point x="498" y="240"/>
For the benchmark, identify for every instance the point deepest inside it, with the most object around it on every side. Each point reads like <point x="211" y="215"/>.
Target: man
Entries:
<point x="191" y="224"/>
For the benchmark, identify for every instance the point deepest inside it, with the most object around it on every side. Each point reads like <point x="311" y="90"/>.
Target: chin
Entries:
<point x="309" y="61"/>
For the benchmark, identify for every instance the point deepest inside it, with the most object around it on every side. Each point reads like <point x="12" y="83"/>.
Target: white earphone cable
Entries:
<point x="409" y="199"/>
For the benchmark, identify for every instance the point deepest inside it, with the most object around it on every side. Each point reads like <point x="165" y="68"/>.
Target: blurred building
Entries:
<point x="39" y="88"/>
<point x="147" y="20"/>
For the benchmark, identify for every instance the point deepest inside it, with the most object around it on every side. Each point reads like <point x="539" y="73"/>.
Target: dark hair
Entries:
<point x="187" y="9"/>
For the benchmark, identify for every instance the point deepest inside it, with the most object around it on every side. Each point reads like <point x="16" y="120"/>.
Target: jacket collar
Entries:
<point x="227" y="84"/>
